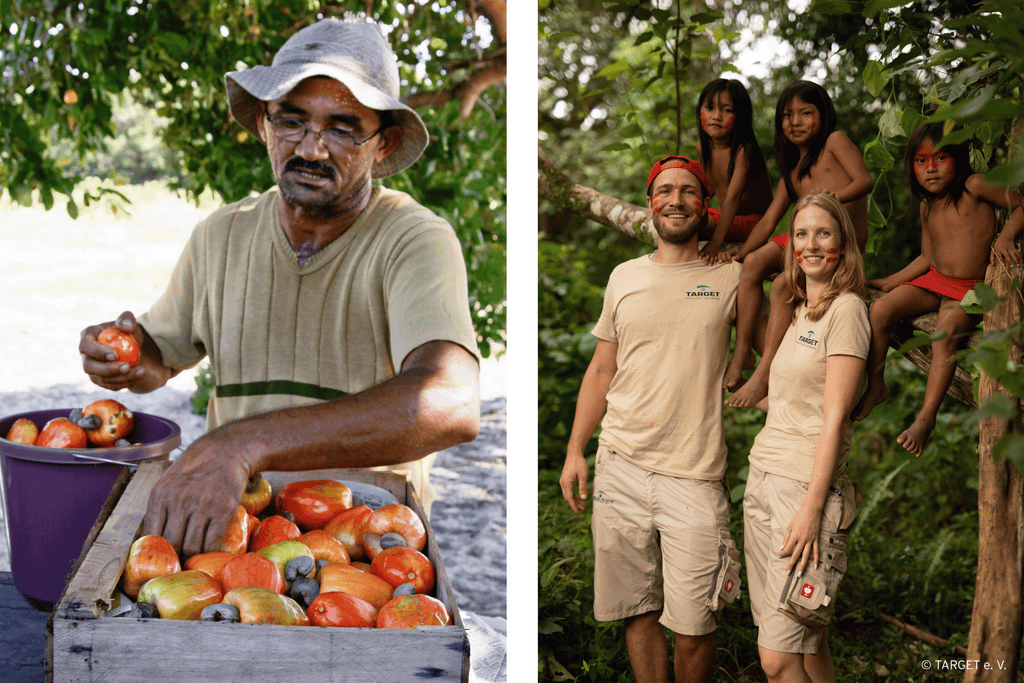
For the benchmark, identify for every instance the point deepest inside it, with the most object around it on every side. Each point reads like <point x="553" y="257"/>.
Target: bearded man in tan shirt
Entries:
<point x="663" y="553"/>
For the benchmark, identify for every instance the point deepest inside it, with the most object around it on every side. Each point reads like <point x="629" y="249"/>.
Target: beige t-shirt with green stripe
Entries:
<point x="280" y="335"/>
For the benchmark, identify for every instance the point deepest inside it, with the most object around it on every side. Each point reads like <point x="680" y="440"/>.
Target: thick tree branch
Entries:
<point x="494" y="11"/>
<point x="490" y="70"/>
<point x="627" y="218"/>
<point x="466" y="92"/>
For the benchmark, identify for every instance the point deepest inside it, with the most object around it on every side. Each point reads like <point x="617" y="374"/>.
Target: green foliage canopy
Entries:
<point x="65" y="66"/>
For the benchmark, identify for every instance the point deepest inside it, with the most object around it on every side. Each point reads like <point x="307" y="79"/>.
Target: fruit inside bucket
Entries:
<point x="52" y="498"/>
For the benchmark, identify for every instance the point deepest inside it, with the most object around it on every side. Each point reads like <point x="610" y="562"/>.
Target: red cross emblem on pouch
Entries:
<point x="728" y="586"/>
<point x="807" y="591"/>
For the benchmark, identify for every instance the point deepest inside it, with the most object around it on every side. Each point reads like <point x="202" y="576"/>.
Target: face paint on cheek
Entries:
<point x="797" y="254"/>
<point x="695" y="204"/>
<point x="729" y="123"/>
<point x="656" y="204"/>
<point x="703" y="118"/>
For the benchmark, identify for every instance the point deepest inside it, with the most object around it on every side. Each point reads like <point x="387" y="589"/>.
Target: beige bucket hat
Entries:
<point x="351" y="52"/>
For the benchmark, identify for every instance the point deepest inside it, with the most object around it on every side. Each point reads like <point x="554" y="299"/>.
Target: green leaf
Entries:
<point x="890" y="124"/>
<point x="705" y="17"/>
<point x="918" y="340"/>
<point x="1011" y="447"/>
<point x="549" y="626"/>
<point x="877" y="157"/>
<point x="876" y="218"/>
<point x="1013" y="382"/>
<point x="875" y="76"/>
<point x="986" y="295"/>
<point x="175" y="44"/>
<point x="560" y="35"/>
<point x="72" y="208"/>
<point x="737" y="492"/>
<point x="994" y="364"/>
<point x="911" y="120"/>
<point x="1006" y="175"/>
<point x="972" y="304"/>
<point x="613" y="70"/>
<point x="615" y="147"/>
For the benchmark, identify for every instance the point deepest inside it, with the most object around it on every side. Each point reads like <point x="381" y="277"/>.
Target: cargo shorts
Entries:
<point x="661" y="543"/>
<point x="791" y="612"/>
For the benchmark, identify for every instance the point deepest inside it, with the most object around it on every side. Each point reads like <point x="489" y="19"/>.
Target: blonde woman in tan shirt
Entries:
<point x="799" y="504"/>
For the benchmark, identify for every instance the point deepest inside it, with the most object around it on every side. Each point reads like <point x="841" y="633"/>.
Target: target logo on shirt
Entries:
<point x="703" y="292"/>
<point x="808" y="339"/>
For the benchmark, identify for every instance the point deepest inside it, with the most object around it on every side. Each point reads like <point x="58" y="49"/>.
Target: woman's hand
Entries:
<point x="801" y="541"/>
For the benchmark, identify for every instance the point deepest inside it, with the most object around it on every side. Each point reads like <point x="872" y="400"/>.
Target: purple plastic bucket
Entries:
<point x="53" y="498"/>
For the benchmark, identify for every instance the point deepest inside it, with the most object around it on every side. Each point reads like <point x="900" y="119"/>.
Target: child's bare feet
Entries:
<point x="750" y="394"/>
<point x="876" y="393"/>
<point x="733" y="379"/>
<point x="916" y="436"/>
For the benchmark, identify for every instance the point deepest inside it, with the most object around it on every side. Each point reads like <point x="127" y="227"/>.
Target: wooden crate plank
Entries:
<point x="115" y="650"/>
<point x="88" y="593"/>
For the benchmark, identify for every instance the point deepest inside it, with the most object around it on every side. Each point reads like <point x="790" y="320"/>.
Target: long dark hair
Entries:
<point x="786" y="153"/>
<point x="961" y="164"/>
<point x="742" y="131"/>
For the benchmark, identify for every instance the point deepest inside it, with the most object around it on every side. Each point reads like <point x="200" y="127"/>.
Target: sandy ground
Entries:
<point x="59" y="276"/>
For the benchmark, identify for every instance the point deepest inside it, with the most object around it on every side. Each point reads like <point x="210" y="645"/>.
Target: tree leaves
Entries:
<point x="875" y="76"/>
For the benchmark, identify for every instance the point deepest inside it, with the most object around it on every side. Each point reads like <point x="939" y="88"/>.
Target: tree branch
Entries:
<point x="923" y="636"/>
<point x="627" y="218"/>
<point x="491" y="71"/>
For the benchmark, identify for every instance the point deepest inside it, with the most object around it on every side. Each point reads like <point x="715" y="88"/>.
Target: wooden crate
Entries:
<point x="87" y="646"/>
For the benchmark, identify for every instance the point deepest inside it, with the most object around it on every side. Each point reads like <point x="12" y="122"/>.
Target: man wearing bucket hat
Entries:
<point x="334" y="312"/>
<point x="664" y="556"/>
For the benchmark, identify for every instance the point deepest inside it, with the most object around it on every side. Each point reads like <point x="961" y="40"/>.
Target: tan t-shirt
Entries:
<point x="672" y="324"/>
<point x="282" y="335"/>
<point x="796" y="387"/>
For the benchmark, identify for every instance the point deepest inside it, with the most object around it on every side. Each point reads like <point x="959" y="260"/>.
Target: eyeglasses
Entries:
<point x="334" y="139"/>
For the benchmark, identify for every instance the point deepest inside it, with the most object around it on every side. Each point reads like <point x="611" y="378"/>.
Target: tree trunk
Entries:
<point x="994" y="643"/>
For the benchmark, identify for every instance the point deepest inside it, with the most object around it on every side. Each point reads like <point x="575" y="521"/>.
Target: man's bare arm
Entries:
<point x="431" y="404"/>
<point x="590" y="408"/>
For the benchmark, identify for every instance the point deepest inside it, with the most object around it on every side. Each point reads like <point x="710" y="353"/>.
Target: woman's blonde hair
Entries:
<point x="847" y="277"/>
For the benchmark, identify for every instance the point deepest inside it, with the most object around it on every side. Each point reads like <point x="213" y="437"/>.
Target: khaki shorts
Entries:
<point x="791" y="613"/>
<point x="661" y="543"/>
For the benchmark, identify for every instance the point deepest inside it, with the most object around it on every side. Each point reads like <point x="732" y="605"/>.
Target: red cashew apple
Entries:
<point x="396" y="519"/>
<point x="122" y="343"/>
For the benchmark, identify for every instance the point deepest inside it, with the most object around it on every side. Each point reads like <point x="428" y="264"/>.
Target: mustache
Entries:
<point x="300" y="164"/>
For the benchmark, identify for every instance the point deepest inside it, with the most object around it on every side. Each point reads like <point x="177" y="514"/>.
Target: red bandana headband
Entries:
<point x="683" y="163"/>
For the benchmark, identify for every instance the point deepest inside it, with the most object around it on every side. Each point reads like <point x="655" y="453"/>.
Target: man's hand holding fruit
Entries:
<point x="119" y="355"/>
